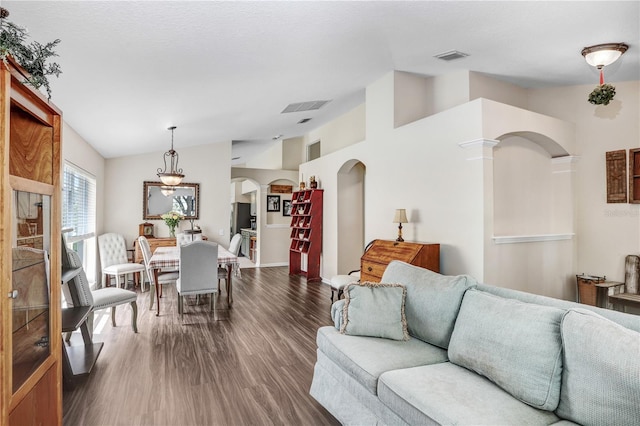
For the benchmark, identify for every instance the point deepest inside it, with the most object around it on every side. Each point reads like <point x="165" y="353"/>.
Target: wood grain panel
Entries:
<point x="31" y="148"/>
<point x="248" y="365"/>
<point x="38" y="407"/>
<point x="375" y="260"/>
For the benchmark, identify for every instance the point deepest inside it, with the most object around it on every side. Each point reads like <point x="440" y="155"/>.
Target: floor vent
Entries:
<point x="451" y="55"/>
<point x="304" y="106"/>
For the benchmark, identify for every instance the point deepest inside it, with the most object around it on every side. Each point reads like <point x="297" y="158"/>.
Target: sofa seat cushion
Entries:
<point x="514" y="344"/>
<point x="432" y="302"/>
<point x="365" y="358"/>
<point x="601" y="374"/>
<point x="449" y="394"/>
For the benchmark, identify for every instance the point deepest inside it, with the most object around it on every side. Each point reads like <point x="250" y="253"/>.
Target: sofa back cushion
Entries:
<point x="514" y="344"/>
<point x="601" y="375"/>
<point x="433" y="300"/>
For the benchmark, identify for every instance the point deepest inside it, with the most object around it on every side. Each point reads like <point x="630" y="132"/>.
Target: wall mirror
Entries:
<point x="159" y="199"/>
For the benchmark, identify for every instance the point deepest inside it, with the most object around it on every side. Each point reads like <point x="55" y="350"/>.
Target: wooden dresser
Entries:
<point x="375" y="260"/>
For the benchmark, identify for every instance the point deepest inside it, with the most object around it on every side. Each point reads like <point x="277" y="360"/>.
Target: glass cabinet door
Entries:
<point x="30" y="284"/>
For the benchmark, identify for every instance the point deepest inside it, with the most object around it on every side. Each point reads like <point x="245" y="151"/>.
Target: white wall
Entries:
<point x="442" y="173"/>
<point x="339" y="133"/>
<point x="606" y="232"/>
<point x="269" y="159"/>
<point x="207" y="165"/>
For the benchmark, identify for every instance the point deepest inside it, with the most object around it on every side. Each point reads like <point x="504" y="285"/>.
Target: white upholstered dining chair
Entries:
<point x="102" y="298"/>
<point x="114" y="260"/>
<point x="234" y="248"/>
<point x="184" y="238"/>
<point x="198" y="267"/>
<point x="164" y="277"/>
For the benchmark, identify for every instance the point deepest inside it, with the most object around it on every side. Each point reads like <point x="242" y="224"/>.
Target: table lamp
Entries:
<point x="400" y="218"/>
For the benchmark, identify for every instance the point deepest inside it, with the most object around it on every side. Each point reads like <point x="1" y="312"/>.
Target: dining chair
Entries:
<point x="198" y="267"/>
<point x="114" y="260"/>
<point x="164" y="277"/>
<point x="102" y="298"/>
<point x="184" y="238"/>
<point x="234" y="248"/>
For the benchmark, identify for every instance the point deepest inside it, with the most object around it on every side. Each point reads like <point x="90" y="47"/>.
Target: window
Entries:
<point x="79" y="215"/>
<point x="313" y="151"/>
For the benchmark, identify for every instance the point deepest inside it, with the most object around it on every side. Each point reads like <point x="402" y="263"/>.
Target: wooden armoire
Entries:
<point x="30" y="217"/>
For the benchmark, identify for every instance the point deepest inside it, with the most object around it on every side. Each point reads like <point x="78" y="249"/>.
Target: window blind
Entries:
<point x="78" y="203"/>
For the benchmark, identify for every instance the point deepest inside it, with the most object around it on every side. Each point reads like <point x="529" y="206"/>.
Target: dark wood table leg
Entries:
<point x="229" y="284"/>
<point x="155" y="279"/>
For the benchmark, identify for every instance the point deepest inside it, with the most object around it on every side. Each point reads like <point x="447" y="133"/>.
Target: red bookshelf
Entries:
<point x="306" y="234"/>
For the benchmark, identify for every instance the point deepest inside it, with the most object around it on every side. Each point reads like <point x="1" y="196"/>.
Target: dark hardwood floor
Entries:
<point x="248" y="365"/>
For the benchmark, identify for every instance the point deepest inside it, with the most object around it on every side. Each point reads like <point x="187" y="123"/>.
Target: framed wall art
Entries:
<point x="273" y="203"/>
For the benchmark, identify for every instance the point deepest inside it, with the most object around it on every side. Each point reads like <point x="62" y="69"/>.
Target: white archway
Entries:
<point x="351" y="202"/>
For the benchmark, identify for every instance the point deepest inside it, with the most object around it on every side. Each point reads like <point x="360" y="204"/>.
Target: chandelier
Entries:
<point x="174" y="175"/>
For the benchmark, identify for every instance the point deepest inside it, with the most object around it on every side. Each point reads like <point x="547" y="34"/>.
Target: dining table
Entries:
<point x="168" y="258"/>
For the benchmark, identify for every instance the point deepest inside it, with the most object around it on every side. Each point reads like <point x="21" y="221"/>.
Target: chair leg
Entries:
<point x="213" y="304"/>
<point x="134" y="316"/>
<point x="152" y="293"/>
<point x="181" y="306"/>
<point x="113" y="316"/>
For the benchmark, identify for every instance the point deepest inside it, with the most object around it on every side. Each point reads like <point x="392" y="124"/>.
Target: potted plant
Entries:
<point x="33" y="57"/>
<point x="603" y="94"/>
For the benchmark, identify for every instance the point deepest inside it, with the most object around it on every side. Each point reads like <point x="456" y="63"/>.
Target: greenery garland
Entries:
<point x="33" y="57"/>
<point x="602" y="94"/>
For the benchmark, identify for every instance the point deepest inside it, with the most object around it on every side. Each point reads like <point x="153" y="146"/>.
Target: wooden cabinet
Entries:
<point x="375" y="260"/>
<point x="306" y="234"/>
<point x="634" y="176"/>
<point x="245" y="247"/>
<point x="30" y="143"/>
<point x="154" y="243"/>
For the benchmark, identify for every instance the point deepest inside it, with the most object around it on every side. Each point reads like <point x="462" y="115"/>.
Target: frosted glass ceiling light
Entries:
<point x="174" y="176"/>
<point x="602" y="55"/>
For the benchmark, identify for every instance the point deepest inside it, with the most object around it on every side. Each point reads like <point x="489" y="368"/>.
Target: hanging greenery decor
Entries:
<point x="602" y="95"/>
<point x="33" y="57"/>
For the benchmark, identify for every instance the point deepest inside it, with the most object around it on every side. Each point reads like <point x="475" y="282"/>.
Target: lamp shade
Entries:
<point x="602" y="55"/>
<point x="400" y="216"/>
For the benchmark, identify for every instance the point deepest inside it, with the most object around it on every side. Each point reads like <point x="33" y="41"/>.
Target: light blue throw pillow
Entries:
<point x="375" y="310"/>
<point x="601" y="377"/>
<point x="516" y="345"/>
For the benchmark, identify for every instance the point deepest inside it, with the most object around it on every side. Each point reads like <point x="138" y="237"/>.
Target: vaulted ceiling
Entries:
<point x="224" y="71"/>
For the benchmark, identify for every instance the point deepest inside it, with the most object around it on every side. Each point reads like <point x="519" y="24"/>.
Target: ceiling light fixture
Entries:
<point x="601" y="55"/>
<point x="174" y="176"/>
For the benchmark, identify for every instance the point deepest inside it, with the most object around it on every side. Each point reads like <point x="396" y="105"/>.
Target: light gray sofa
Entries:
<point x="479" y="354"/>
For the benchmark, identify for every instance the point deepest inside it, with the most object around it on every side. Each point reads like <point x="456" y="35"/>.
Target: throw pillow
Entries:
<point x="601" y="377"/>
<point x="375" y="310"/>
<point x="514" y="344"/>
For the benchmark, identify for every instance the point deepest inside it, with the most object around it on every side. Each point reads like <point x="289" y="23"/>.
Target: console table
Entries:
<point x="375" y="260"/>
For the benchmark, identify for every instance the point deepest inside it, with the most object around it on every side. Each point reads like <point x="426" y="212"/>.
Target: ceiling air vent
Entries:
<point x="451" y="55"/>
<point x="304" y="106"/>
<point x="304" y="120"/>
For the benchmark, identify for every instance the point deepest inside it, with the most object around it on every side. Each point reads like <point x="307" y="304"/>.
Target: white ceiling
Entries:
<point x="223" y="71"/>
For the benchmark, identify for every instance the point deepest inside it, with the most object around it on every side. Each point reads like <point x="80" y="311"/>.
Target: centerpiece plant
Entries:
<point x="172" y="219"/>
<point x="34" y="57"/>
